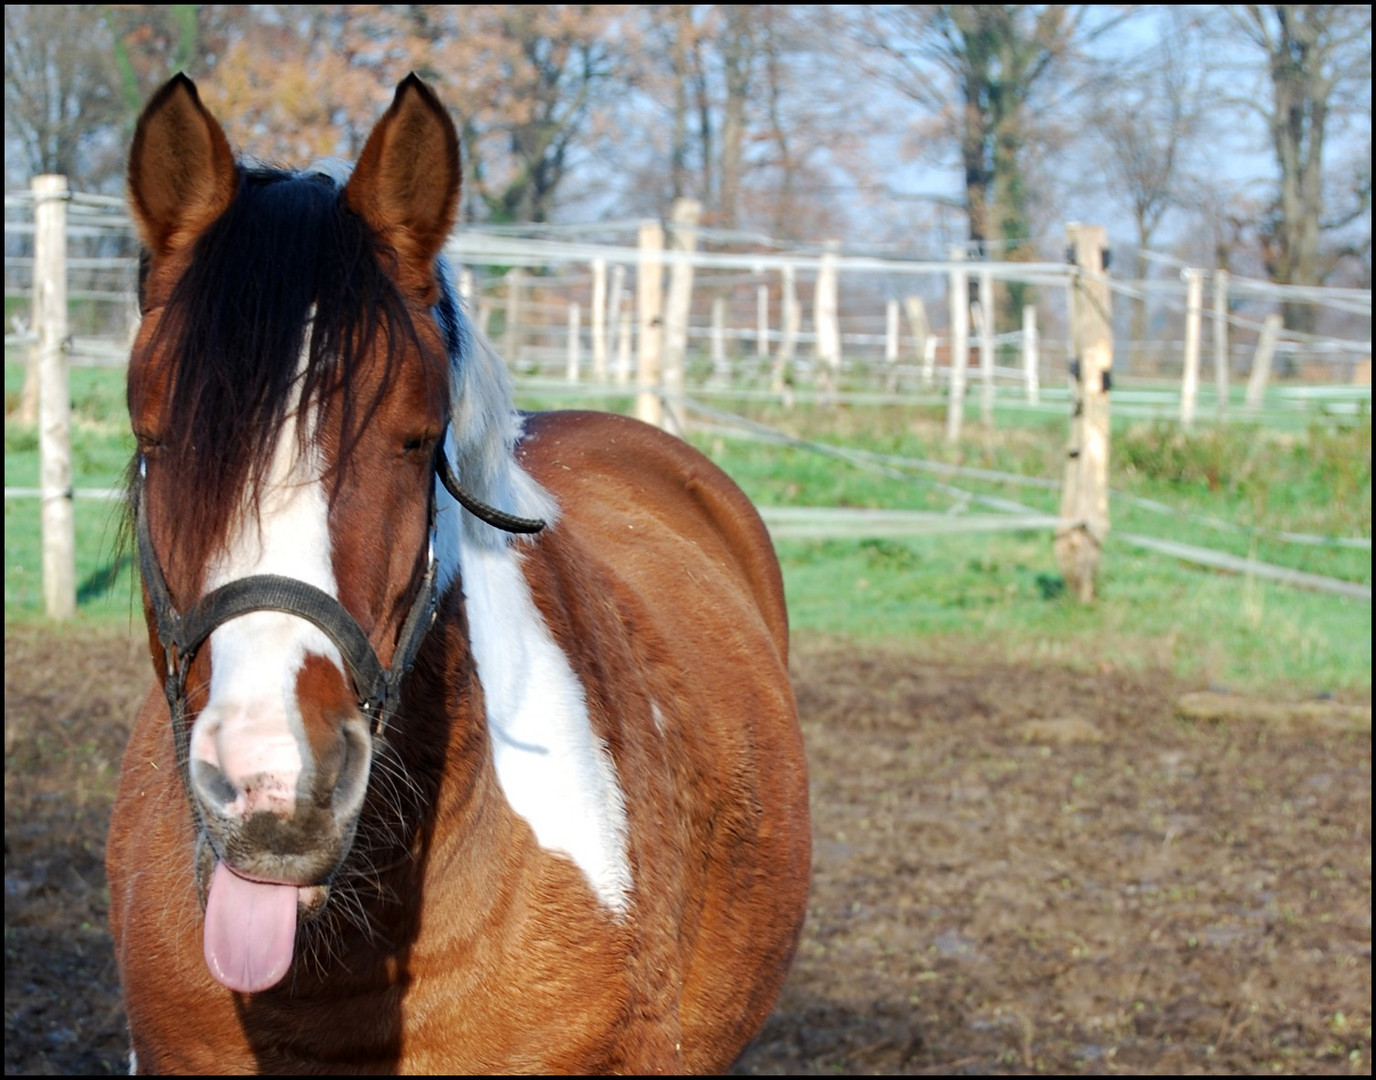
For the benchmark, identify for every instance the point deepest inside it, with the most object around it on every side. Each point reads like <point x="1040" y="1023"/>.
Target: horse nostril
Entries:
<point x="342" y="775"/>
<point x="329" y="768"/>
<point x="212" y="785"/>
<point x="353" y="763"/>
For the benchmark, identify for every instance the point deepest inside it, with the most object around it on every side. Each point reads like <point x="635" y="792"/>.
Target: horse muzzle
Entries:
<point x="276" y="806"/>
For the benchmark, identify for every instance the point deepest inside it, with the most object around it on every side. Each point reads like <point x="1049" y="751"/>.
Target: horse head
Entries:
<point x="288" y="387"/>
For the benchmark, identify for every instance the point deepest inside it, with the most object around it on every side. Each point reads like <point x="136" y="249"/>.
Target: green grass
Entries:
<point x="1004" y="592"/>
<point x="980" y="593"/>
<point x="101" y="448"/>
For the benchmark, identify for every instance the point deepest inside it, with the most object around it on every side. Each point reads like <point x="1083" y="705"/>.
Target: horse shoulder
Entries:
<point x="632" y="487"/>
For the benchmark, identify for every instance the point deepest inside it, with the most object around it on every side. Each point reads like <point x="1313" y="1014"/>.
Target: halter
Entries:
<point x="378" y="688"/>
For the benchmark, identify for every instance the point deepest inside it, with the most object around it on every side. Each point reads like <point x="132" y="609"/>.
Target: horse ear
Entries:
<point x="181" y="169"/>
<point x="406" y="183"/>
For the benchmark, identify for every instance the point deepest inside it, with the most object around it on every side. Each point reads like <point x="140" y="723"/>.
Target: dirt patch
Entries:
<point x="1016" y="869"/>
<point x="69" y="703"/>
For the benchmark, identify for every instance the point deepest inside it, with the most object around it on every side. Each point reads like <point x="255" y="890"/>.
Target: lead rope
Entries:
<point x="498" y="519"/>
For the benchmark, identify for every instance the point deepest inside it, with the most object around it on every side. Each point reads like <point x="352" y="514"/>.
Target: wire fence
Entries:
<point x="1010" y="515"/>
<point x="734" y="337"/>
<point x="755" y="327"/>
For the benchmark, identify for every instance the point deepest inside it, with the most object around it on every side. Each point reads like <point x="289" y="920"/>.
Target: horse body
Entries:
<point x="580" y="843"/>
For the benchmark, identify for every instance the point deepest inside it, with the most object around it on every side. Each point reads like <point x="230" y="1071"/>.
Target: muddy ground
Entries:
<point x="1016" y="869"/>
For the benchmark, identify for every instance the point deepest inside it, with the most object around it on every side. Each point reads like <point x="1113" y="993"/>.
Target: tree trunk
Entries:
<point x="1300" y="93"/>
<point x="737" y="50"/>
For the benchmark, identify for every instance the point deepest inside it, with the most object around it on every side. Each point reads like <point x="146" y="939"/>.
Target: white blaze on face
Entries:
<point x="250" y="729"/>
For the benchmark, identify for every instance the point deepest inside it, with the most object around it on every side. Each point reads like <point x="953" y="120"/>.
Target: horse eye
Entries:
<point x="416" y="444"/>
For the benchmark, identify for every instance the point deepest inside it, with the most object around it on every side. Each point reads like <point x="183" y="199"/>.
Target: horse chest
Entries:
<point x="508" y="961"/>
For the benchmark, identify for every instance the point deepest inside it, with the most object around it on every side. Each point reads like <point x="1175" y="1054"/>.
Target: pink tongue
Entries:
<point x="250" y="929"/>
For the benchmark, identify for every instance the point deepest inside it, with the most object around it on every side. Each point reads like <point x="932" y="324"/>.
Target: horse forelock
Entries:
<point x="285" y="299"/>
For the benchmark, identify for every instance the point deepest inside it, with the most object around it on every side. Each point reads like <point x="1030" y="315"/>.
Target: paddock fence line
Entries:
<point x="894" y="318"/>
<point x="1009" y="514"/>
<point x="748" y="318"/>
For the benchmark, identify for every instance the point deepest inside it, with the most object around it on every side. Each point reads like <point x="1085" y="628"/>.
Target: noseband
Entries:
<point x="378" y="688"/>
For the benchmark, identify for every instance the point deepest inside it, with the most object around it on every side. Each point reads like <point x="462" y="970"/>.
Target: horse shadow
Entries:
<point x="810" y="1033"/>
<point x="100" y="581"/>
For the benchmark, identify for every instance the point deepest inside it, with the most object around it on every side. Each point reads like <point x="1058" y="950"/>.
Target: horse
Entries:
<point x="470" y="745"/>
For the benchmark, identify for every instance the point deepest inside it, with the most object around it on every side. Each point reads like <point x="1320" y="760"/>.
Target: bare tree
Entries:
<point x="730" y="110"/>
<point x="809" y="158"/>
<point x="154" y="41"/>
<point x="683" y="43"/>
<point x="738" y="49"/>
<point x="703" y="62"/>
<point x="991" y="61"/>
<point x="62" y="92"/>
<point x="1318" y="59"/>
<point x="1143" y="123"/>
<point x="526" y="82"/>
<point x="530" y="80"/>
<point x="675" y="69"/>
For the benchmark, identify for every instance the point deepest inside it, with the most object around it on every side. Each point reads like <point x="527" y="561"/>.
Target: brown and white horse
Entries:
<point x="471" y="746"/>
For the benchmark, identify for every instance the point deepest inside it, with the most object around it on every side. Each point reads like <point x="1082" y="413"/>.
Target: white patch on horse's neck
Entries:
<point x="554" y="770"/>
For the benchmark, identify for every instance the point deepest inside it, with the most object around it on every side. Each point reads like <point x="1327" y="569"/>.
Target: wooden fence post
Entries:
<point x="825" y="318"/>
<point x="791" y="318"/>
<point x="960" y="342"/>
<point x="1031" y="360"/>
<point x="649" y="295"/>
<point x="683" y="239"/>
<point x="1261" y="364"/>
<point x="721" y="367"/>
<point x="1189" y="383"/>
<point x="575" y="360"/>
<point x="623" y="335"/>
<point x="1084" y="499"/>
<point x="58" y="526"/>
<point x="599" y="320"/>
<point x="762" y="321"/>
<point x="1221" y="342"/>
<point x="923" y="344"/>
<point x="986" y="348"/>
<point x="890" y="333"/>
<point x="511" y="336"/>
